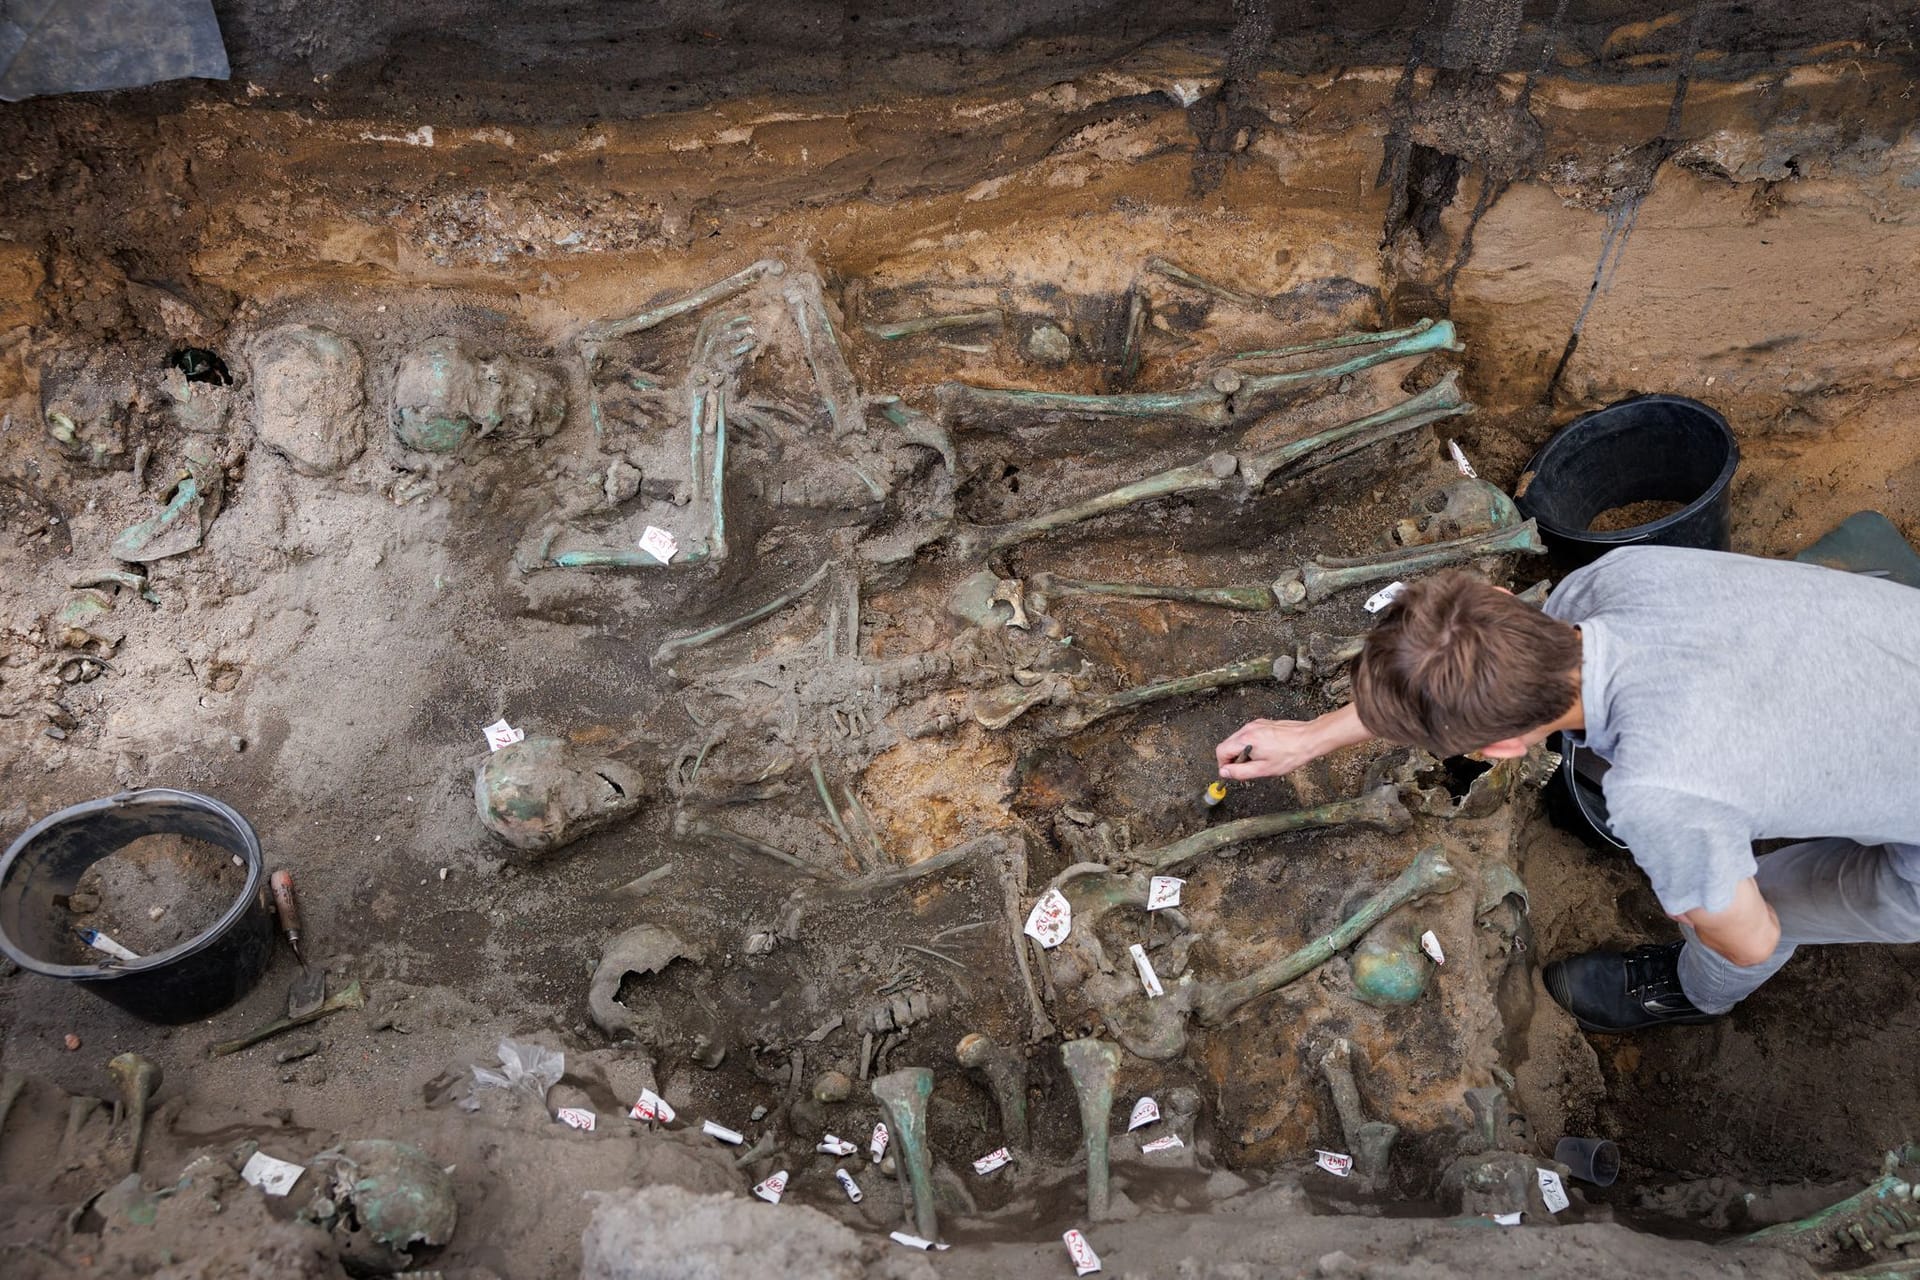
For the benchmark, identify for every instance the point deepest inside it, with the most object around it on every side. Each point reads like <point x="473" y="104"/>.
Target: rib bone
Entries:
<point x="1092" y="1064"/>
<point x="738" y="282"/>
<point x="903" y="1096"/>
<point x="1004" y="1072"/>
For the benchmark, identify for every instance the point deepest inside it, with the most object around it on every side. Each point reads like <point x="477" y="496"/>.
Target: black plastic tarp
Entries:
<point x="72" y="46"/>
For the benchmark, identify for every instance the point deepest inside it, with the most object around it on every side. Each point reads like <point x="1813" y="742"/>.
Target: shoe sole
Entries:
<point x="1562" y="993"/>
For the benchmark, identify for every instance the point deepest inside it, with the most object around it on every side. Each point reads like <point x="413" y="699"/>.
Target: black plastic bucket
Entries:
<point x="199" y="976"/>
<point x="1655" y="447"/>
<point x="1576" y="801"/>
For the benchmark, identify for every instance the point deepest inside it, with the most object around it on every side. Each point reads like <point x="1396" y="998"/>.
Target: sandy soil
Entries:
<point x="325" y="661"/>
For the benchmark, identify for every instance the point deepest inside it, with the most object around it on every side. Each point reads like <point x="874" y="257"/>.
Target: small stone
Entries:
<point x="1049" y="344"/>
<point x="832" y="1086"/>
<point x="72" y="1042"/>
<point x="758" y="1113"/>
<point x="298" y="1049"/>
<point x="443" y="873"/>
<point x="55" y="732"/>
<point x="154" y="913"/>
<point x="237" y="742"/>
<point x="1337" y="1265"/>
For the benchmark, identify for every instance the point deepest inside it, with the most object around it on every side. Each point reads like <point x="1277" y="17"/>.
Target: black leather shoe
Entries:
<point x="1610" y="992"/>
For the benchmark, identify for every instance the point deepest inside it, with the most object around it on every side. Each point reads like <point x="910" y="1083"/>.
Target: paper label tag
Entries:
<point x="848" y="1185"/>
<point x="501" y="734"/>
<point x="877" y="1145"/>
<point x="1552" y="1191"/>
<point x="1085" y="1260"/>
<point x="1051" y="919"/>
<point x="1163" y="892"/>
<point x="659" y="544"/>
<point x="1507" y="1219"/>
<point x="576" y="1118"/>
<point x="275" y="1177"/>
<point x="773" y="1188"/>
<point x="652" y="1107"/>
<point x="1145" y="1112"/>
<point x="997" y="1159"/>
<point x="1334" y="1163"/>
<point x="721" y="1132"/>
<point x="915" y="1242"/>
<point x="837" y="1146"/>
<point x="1430" y="944"/>
<point x="1384" y="597"/>
<point x="1148" y="978"/>
<point x="1460" y="460"/>
<point x="1167" y="1143"/>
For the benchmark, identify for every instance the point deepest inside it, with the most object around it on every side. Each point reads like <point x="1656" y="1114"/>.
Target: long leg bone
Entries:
<point x="930" y="324"/>
<point x="1370" y="1141"/>
<point x="79" y="1110"/>
<point x="680" y="644"/>
<point x="1441" y="400"/>
<point x="688" y="825"/>
<point x="1429" y="873"/>
<point x="1200" y="477"/>
<point x="1380" y="808"/>
<point x="1341" y="340"/>
<point x="136" y="1079"/>
<point x="1318" y="579"/>
<point x="1175" y="272"/>
<point x="1013" y="884"/>
<point x="1251" y="598"/>
<point x="739" y="282"/>
<point x="1268" y="667"/>
<point x="821" y="345"/>
<point x="1004" y="1072"/>
<point x="1092" y="1064"/>
<point x="903" y="1096"/>
<point x="1214" y="404"/>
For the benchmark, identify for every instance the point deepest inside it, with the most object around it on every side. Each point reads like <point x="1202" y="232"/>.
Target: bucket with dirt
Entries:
<point x="1651" y="471"/>
<point x="153" y="899"/>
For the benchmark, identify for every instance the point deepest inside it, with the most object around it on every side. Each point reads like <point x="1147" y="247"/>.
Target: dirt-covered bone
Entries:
<point x="1369" y="1141"/>
<point x="1460" y="508"/>
<point x="737" y="283"/>
<point x="1883" y="1216"/>
<point x="903" y="1095"/>
<point x="678" y="645"/>
<point x="134" y="1082"/>
<point x="820" y="342"/>
<point x="1379" y="807"/>
<point x="1251" y="598"/>
<point x="1088" y="711"/>
<point x="1221" y="401"/>
<point x="1440" y="401"/>
<point x="392" y="1197"/>
<point x="643" y="949"/>
<point x="1319" y="578"/>
<point x="1356" y="339"/>
<point x="1092" y="1065"/>
<point x="542" y="793"/>
<point x="445" y="394"/>
<point x="1004" y="1073"/>
<point x="972" y="541"/>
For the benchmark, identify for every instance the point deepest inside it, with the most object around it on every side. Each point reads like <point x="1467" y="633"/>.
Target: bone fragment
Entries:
<point x="942" y="861"/>
<point x="79" y="1109"/>
<point x="1369" y="1141"/>
<point x="351" y="998"/>
<point x="821" y="344"/>
<point x="1134" y="334"/>
<point x="1275" y="667"/>
<point x="1200" y="477"/>
<point x="826" y="798"/>
<point x="1209" y="404"/>
<point x="1338" y="341"/>
<point x="1175" y="272"/>
<point x="1004" y="1072"/>
<point x="1092" y="1064"/>
<point x="680" y="644"/>
<point x="762" y="1146"/>
<point x="1013" y="593"/>
<point x="903" y="1096"/>
<point x="739" y="282"/>
<point x="687" y="825"/>
<point x="931" y="324"/>
<point x="921" y="429"/>
<point x="643" y="949"/>
<point x="1379" y="808"/>
<point x="1440" y="401"/>
<point x="135" y="1078"/>
<point x="1323" y="577"/>
<point x="1013" y="885"/>
<point x="1429" y="873"/>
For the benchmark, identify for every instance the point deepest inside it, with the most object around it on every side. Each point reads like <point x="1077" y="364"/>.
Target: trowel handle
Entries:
<point x="285" y="905"/>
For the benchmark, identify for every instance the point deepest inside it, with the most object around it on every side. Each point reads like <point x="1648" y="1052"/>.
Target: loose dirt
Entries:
<point x="156" y="892"/>
<point x="1632" y="515"/>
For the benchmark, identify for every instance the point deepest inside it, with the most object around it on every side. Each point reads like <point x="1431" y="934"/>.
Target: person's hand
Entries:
<point x="1279" y="747"/>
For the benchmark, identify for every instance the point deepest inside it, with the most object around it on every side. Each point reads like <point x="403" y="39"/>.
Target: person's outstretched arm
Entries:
<point x="1281" y="746"/>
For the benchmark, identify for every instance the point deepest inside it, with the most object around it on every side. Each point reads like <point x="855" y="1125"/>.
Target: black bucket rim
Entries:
<point x="207" y="937"/>
<point x="1634" y="535"/>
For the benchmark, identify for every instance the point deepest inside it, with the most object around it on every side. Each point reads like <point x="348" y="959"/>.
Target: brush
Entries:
<point x="1216" y="791"/>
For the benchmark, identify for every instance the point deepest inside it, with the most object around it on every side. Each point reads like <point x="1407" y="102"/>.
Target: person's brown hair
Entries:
<point x="1455" y="664"/>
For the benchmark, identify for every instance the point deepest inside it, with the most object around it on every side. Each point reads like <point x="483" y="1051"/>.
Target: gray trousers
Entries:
<point x="1823" y="891"/>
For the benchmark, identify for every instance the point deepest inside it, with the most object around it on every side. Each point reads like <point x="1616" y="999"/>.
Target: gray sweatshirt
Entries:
<point x="1741" y="699"/>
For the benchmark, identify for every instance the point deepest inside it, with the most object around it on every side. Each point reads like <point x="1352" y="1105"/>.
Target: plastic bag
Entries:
<point x="526" y="1069"/>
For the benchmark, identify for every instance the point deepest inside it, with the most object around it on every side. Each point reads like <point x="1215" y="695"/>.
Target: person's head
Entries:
<point x="1455" y="665"/>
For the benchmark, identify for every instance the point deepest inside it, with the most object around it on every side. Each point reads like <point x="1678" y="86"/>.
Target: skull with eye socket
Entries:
<point x="1458" y="509"/>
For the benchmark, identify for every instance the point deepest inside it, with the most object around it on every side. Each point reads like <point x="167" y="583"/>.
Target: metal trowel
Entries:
<point x="309" y="990"/>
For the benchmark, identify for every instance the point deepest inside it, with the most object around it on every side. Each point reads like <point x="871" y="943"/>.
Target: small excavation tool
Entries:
<point x="310" y="988"/>
<point x="1217" y="789"/>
